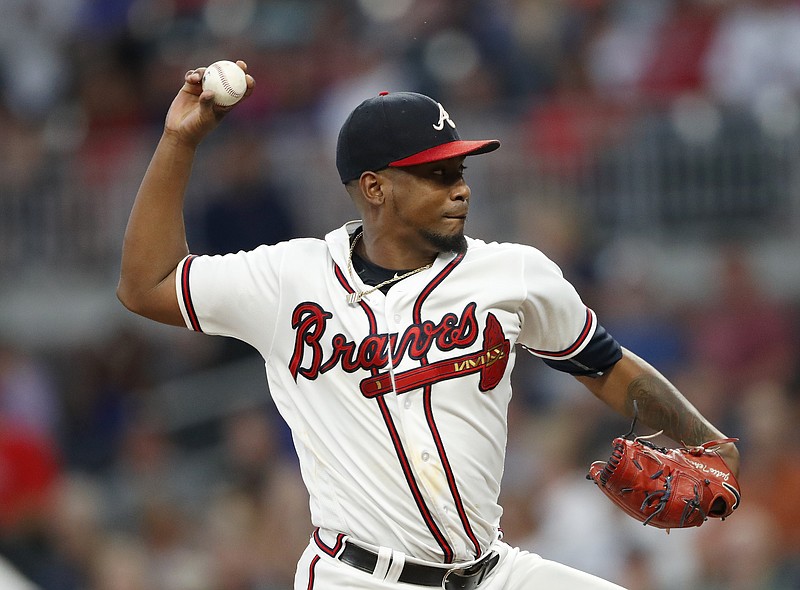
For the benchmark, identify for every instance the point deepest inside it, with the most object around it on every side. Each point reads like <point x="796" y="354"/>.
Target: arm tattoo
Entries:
<point x="662" y="407"/>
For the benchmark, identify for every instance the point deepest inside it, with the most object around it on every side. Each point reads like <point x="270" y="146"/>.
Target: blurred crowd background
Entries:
<point x="650" y="147"/>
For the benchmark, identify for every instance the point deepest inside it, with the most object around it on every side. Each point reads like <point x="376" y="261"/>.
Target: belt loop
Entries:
<point x="341" y="542"/>
<point x="396" y="568"/>
<point x="384" y="561"/>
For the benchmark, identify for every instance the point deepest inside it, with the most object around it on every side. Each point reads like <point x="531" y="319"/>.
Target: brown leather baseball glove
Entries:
<point x="667" y="488"/>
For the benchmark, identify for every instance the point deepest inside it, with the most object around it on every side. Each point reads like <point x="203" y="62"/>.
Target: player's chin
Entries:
<point x="450" y="241"/>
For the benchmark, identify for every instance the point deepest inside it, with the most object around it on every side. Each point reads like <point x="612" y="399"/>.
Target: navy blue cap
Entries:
<point x="400" y="129"/>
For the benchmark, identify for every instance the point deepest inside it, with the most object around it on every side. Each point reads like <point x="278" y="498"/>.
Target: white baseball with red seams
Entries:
<point x="227" y="81"/>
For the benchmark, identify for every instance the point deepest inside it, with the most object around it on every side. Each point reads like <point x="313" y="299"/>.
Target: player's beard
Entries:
<point x="446" y="243"/>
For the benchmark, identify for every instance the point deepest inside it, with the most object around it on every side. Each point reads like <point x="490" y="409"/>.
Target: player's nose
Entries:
<point x="460" y="191"/>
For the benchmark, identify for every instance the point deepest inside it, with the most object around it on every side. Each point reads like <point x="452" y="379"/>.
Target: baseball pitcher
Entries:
<point x="389" y="347"/>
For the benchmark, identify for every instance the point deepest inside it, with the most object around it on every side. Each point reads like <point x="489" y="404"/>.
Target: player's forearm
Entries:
<point x="662" y="407"/>
<point x="659" y="404"/>
<point x="155" y="238"/>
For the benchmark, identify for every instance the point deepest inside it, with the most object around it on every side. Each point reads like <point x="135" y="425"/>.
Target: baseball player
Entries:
<point x="389" y="346"/>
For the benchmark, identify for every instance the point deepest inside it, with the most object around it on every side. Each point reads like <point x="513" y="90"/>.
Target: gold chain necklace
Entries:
<point x="356" y="296"/>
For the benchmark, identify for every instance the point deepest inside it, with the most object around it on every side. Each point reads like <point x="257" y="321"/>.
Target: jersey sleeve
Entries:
<point x="600" y="354"/>
<point x="231" y="295"/>
<point x="558" y="327"/>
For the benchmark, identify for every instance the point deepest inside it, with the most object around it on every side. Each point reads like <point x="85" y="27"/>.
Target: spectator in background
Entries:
<point x="743" y="334"/>
<point x="28" y="395"/>
<point x="29" y="472"/>
<point x="256" y="495"/>
<point x="100" y="389"/>
<point x="755" y="49"/>
<point x="246" y="207"/>
<point x="769" y="416"/>
<point x="30" y="460"/>
<point x="678" y="49"/>
<point x="645" y="321"/>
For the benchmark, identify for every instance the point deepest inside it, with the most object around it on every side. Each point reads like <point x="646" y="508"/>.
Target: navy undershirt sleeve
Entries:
<point x="599" y="355"/>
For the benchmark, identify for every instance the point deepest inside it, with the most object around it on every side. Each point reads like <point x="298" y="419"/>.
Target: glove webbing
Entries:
<point x="617" y="452"/>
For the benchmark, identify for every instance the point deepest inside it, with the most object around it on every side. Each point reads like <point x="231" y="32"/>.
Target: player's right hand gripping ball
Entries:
<point x="667" y="488"/>
<point x="226" y="80"/>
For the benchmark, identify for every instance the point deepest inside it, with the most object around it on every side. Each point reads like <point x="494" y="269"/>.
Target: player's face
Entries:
<point x="431" y="202"/>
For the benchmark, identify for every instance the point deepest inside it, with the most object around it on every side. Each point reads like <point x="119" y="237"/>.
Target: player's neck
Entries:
<point x="381" y="250"/>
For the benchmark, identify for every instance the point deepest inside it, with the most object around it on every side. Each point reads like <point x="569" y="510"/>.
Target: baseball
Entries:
<point x="227" y="81"/>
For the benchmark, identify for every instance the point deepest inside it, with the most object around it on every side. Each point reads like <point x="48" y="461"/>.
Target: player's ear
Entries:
<point x="373" y="187"/>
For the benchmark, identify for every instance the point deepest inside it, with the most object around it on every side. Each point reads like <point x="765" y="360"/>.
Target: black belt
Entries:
<point x="424" y="575"/>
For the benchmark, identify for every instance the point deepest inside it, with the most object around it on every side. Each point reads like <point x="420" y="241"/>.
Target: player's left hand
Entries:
<point x="668" y="488"/>
<point x="193" y="114"/>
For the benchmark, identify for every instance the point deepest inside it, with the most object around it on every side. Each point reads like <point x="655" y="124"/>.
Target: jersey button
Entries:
<point x="425" y="456"/>
<point x="397" y="317"/>
<point x="407" y="404"/>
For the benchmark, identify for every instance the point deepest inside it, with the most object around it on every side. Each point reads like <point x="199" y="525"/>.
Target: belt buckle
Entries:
<point x="469" y="577"/>
<point x="446" y="581"/>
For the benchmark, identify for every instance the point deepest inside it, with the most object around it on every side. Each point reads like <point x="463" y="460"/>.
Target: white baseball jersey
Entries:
<point x="397" y="404"/>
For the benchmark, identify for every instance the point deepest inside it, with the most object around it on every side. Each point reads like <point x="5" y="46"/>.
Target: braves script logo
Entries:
<point x="443" y="116"/>
<point x="376" y="351"/>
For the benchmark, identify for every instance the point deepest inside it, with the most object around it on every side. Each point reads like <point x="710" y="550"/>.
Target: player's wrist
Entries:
<point x="178" y="142"/>
<point x="730" y="454"/>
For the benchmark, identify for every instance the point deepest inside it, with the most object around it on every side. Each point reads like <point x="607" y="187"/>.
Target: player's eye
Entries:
<point x="447" y="173"/>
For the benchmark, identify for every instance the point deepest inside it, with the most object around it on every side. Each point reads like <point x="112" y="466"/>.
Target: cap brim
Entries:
<point x="445" y="151"/>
